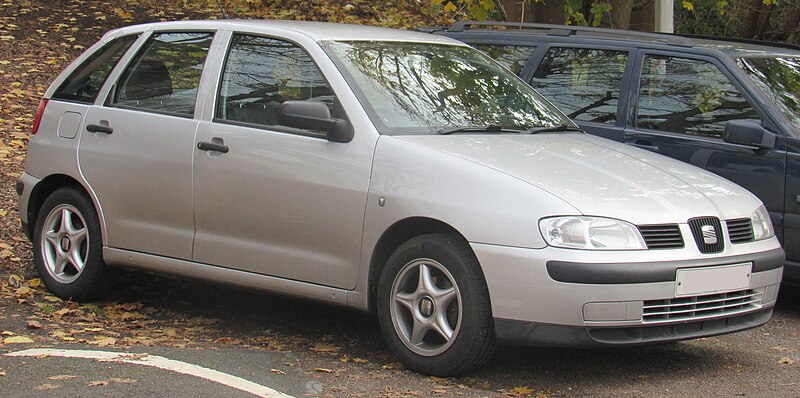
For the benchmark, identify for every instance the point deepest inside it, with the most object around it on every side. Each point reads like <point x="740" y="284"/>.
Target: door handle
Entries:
<point x="210" y="146"/>
<point x="98" y="128"/>
<point x="645" y="144"/>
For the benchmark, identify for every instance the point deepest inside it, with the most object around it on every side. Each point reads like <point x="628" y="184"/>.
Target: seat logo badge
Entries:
<point x="709" y="234"/>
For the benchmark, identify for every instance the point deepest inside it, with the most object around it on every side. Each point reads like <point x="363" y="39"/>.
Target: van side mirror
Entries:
<point x="314" y="115"/>
<point x="748" y="132"/>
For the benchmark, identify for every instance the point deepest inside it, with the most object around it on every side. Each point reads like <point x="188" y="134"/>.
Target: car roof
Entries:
<point x="317" y="31"/>
<point x="731" y="46"/>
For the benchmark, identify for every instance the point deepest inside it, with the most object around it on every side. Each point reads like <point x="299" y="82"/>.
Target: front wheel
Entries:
<point x="434" y="308"/>
<point x="67" y="247"/>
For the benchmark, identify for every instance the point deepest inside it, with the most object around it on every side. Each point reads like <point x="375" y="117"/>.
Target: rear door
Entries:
<point x="680" y="108"/>
<point x="136" y="149"/>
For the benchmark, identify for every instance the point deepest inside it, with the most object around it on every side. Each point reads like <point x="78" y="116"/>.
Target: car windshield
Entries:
<point x="779" y="79"/>
<point x="425" y="88"/>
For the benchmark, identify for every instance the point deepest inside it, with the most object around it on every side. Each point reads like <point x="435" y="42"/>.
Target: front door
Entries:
<point x="270" y="199"/>
<point x="682" y="105"/>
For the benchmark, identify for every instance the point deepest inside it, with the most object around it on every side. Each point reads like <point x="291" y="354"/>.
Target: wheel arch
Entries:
<point x="393" y="237"/>
<point x="44" y="189"/>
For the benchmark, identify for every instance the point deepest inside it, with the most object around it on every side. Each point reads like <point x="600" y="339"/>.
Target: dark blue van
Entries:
<point x="730" y="107"/>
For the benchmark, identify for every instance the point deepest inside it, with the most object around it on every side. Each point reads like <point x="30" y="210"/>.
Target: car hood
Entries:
<point x="600" y="177"/>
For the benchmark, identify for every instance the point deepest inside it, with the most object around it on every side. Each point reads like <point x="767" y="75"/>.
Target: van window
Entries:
<point x="688" y="96"/>
<point x="512" y="57"/>
<point x="584" y="83"/>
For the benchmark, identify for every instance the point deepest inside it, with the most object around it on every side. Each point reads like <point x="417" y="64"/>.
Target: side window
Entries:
<point x="165" y="74"/>
<point x="584" y="83"/>
<point x="87" y="79"/>
<point x="512" y="57"/>
<point x="689" y="96"/>
<point x="261" y="73"/>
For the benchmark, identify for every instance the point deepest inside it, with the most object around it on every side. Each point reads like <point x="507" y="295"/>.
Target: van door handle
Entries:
<point x="98" y="128"/>
<point x="210" y="146"/>
<point x="645" y="144"/>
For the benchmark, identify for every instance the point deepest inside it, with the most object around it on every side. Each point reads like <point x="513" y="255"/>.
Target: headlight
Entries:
<point x="762" y="225"/>
<point x="591" y="233"/>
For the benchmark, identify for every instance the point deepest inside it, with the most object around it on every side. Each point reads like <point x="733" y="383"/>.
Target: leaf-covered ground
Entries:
<point x="344" y="349"/>
<point x="38" y="39"/>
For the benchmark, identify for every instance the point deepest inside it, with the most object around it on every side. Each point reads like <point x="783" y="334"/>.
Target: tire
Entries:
<point x="440" y="324"/>
<point x="67" y="247"/>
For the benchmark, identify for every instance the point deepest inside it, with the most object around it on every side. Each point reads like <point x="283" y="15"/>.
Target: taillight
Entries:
<point x="38" y="118"/>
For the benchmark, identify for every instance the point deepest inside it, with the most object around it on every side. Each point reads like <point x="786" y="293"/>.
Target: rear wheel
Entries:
<point x="433" y="306"/>
<point x="67" y="247"/>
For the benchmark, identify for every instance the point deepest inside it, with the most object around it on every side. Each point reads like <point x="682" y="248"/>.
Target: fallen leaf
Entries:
<point x="439" y="391"/>
<point x="61" y="377"/>
<point x="524" y="391"/>
<point x="104" y="341"/>
<point x="7" y="333"/>
<point x="360" y="360"/>
<point x="325" y="348"/>
<point x="97" y="383"/>
<point x="15" y="280"/>
<point x="17" y="340"/>
<point x="23" y="292"/>
<point x="61" y="312"/>
<point x="122" y="380"/>
<point x="122" y="13"/>
<point x="53" y="299"/>
<point x="277" y="372"/>
<point x="34" y="325"/>
<point x="322" y="370"/>
<point x="2" y="373"/>
<point x="786" y="361"/>
<point x="35" y="282"/>
<point x="46" y="387"/>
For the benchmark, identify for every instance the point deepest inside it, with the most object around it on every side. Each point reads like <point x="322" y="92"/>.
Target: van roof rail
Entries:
<point x="570" y="30"/>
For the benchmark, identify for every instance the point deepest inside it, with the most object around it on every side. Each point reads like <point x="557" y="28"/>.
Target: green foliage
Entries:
<point x="598" y="10"/>
<point x="574" y="14"/>
<point x="471" y="9"/>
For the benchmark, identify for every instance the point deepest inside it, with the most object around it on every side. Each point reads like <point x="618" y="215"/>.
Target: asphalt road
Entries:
<point x="762" y="362"/>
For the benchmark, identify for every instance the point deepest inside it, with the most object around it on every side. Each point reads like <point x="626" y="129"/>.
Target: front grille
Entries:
<point x="667" y="236"/>
<point x="701" y="307"/>
<point x="707" y="233"/>
<point x="740" y="230"/>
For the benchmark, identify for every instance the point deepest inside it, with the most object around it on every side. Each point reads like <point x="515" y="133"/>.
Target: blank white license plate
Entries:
<point x="710" y="280"/>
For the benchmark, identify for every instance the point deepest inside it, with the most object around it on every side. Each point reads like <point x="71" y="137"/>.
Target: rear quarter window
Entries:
<point x="83" y="84"/>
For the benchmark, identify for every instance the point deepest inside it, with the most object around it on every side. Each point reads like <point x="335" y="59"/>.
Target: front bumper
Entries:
<point x="555" y="297"/>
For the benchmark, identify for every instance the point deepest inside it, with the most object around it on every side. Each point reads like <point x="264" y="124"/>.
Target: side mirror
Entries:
<point x="748" y="132"/>
<point x="314" y="115"/>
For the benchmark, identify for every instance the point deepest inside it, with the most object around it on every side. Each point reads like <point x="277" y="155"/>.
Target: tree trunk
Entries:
<point x="643" y="16"/>
<point x="792" y="27"/>
<point x="549" y="11"/>
<point x="751" y="26"/>
<point x="620" y="14"/>
<point x="514" y="10"/>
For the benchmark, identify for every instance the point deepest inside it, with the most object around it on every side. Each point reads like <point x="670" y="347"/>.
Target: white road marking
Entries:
<point x="157" y="362"/>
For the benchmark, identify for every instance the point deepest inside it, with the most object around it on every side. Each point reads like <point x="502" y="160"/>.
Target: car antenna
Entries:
<point x="222" y="9"/>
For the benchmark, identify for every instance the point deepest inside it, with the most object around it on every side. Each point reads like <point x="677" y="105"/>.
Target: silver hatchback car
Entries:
<point x="388" y="171"/>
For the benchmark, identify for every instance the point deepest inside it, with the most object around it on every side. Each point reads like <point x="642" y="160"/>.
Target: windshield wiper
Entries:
<point x="560" y="127"/>
<point x="489" y="128"/>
